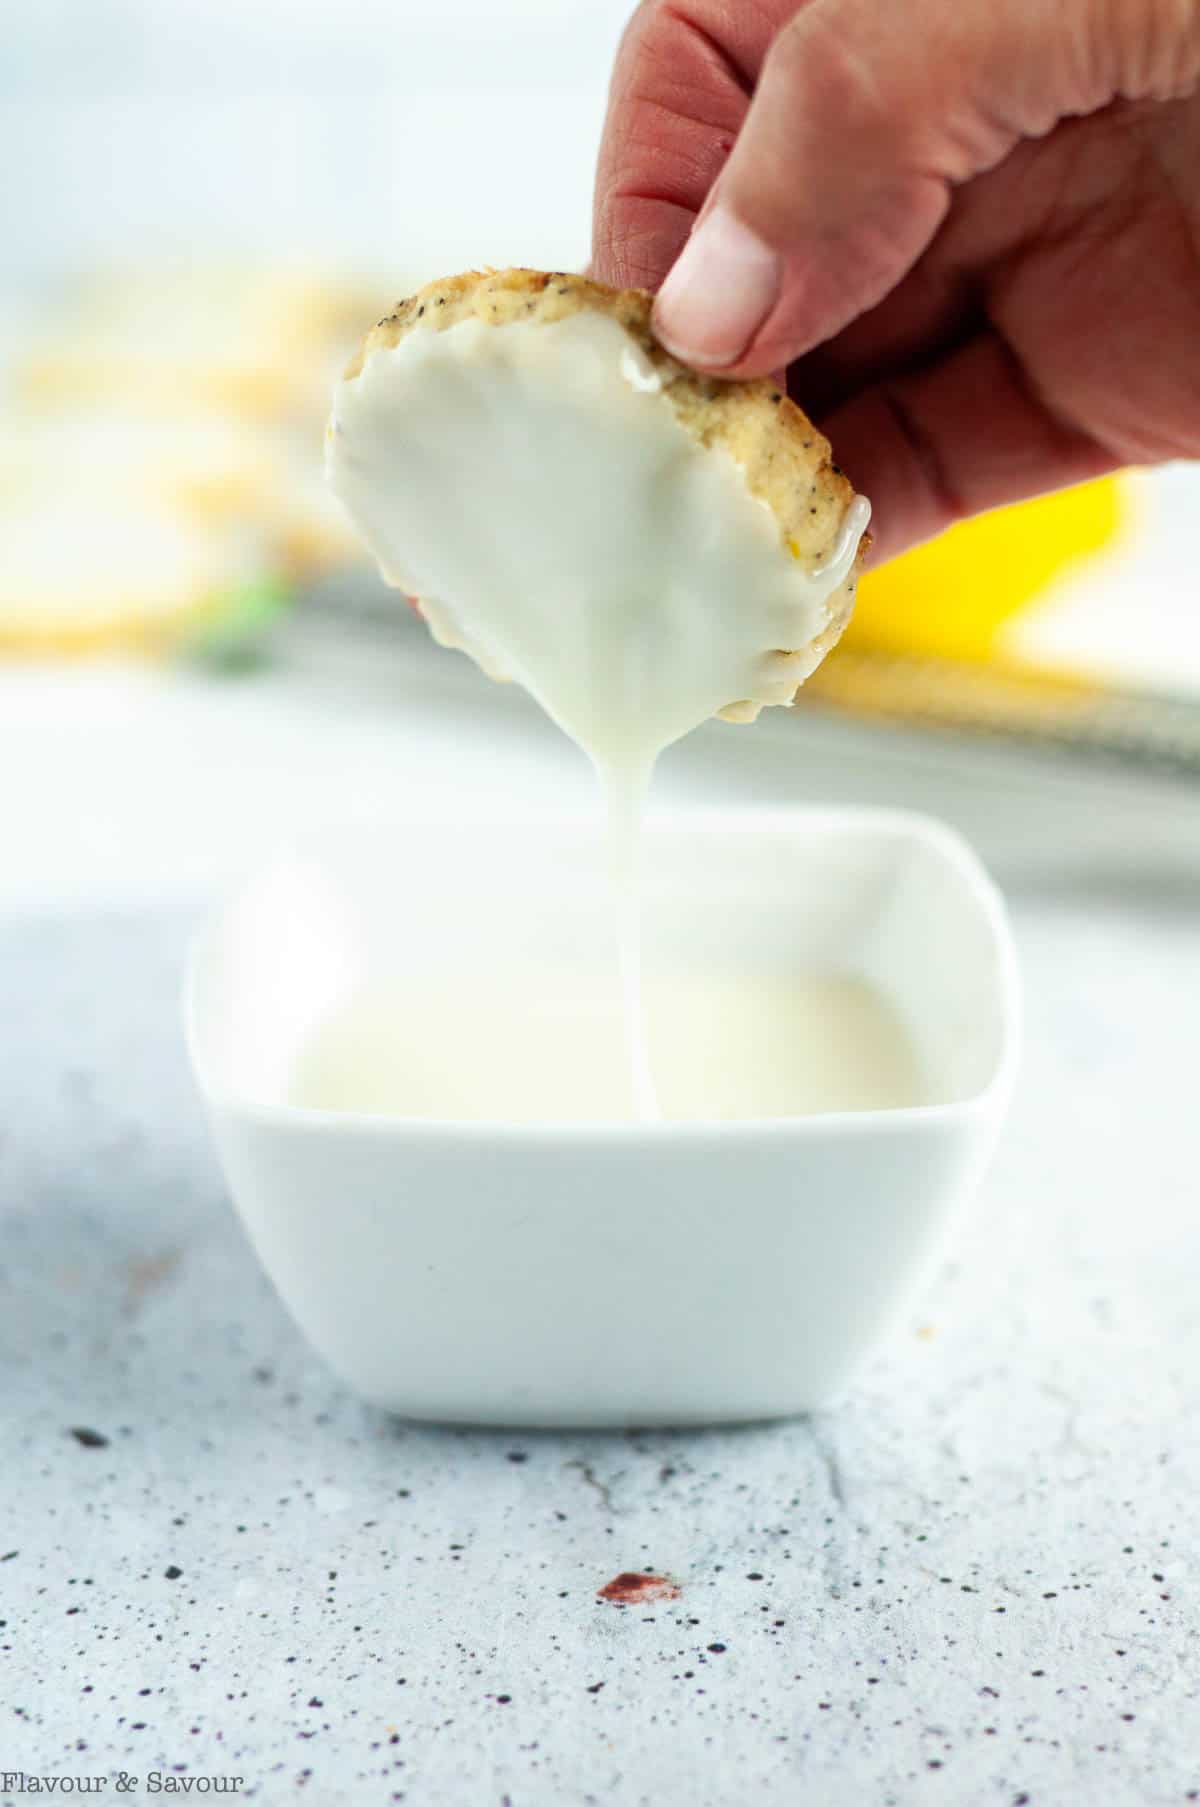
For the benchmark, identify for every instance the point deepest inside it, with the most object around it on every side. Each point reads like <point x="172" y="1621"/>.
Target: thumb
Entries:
<point x="864" y="118"/>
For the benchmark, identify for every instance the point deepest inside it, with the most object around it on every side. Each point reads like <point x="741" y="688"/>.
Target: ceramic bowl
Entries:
<point x="604" y="1273"/>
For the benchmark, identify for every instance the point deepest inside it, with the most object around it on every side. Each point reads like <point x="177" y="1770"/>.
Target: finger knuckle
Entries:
<point x="1172" y="49"/>
<point x="1141" y="49"/>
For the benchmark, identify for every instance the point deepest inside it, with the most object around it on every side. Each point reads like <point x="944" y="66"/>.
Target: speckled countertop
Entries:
<point x="973" y="1582"/>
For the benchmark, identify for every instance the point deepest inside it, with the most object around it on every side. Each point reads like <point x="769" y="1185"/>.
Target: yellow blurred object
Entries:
<point x="973" y="634"/>
<point x="953" y="597"/>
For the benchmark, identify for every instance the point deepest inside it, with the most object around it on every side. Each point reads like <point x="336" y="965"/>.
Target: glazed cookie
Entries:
<point x="640" y="545"/>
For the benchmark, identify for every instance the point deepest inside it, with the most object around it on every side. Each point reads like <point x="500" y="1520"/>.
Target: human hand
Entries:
<point x="976" y="226"/>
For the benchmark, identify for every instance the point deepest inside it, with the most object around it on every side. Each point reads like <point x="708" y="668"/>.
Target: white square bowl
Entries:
<point x="605" y="1274"/>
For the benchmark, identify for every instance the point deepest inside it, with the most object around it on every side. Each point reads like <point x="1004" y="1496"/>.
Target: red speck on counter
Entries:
<point x="630" y="1589"/>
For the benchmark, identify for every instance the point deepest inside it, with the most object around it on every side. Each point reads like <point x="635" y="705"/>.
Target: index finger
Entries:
<point x="680" y="90"/>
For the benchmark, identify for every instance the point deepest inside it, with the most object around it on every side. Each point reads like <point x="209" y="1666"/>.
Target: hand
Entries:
<point x="976" y="223"/>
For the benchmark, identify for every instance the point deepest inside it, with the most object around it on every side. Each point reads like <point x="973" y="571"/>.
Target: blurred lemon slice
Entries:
<point x="953" y="597"/>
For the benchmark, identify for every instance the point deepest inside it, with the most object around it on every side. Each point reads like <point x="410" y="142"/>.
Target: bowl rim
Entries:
<point x="946" y="843"/>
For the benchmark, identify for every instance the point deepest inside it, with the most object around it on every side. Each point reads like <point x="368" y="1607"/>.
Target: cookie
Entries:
<point x="735" y="440"/>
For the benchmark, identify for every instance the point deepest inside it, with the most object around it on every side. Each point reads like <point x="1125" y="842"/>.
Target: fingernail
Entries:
<point x="718" y="293"/>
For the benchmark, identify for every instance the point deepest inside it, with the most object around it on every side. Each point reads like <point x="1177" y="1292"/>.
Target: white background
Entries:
<point x="403" y="136"/>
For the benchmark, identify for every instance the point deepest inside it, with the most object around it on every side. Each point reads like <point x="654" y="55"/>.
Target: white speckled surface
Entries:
<point x="974" y="1582"/>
